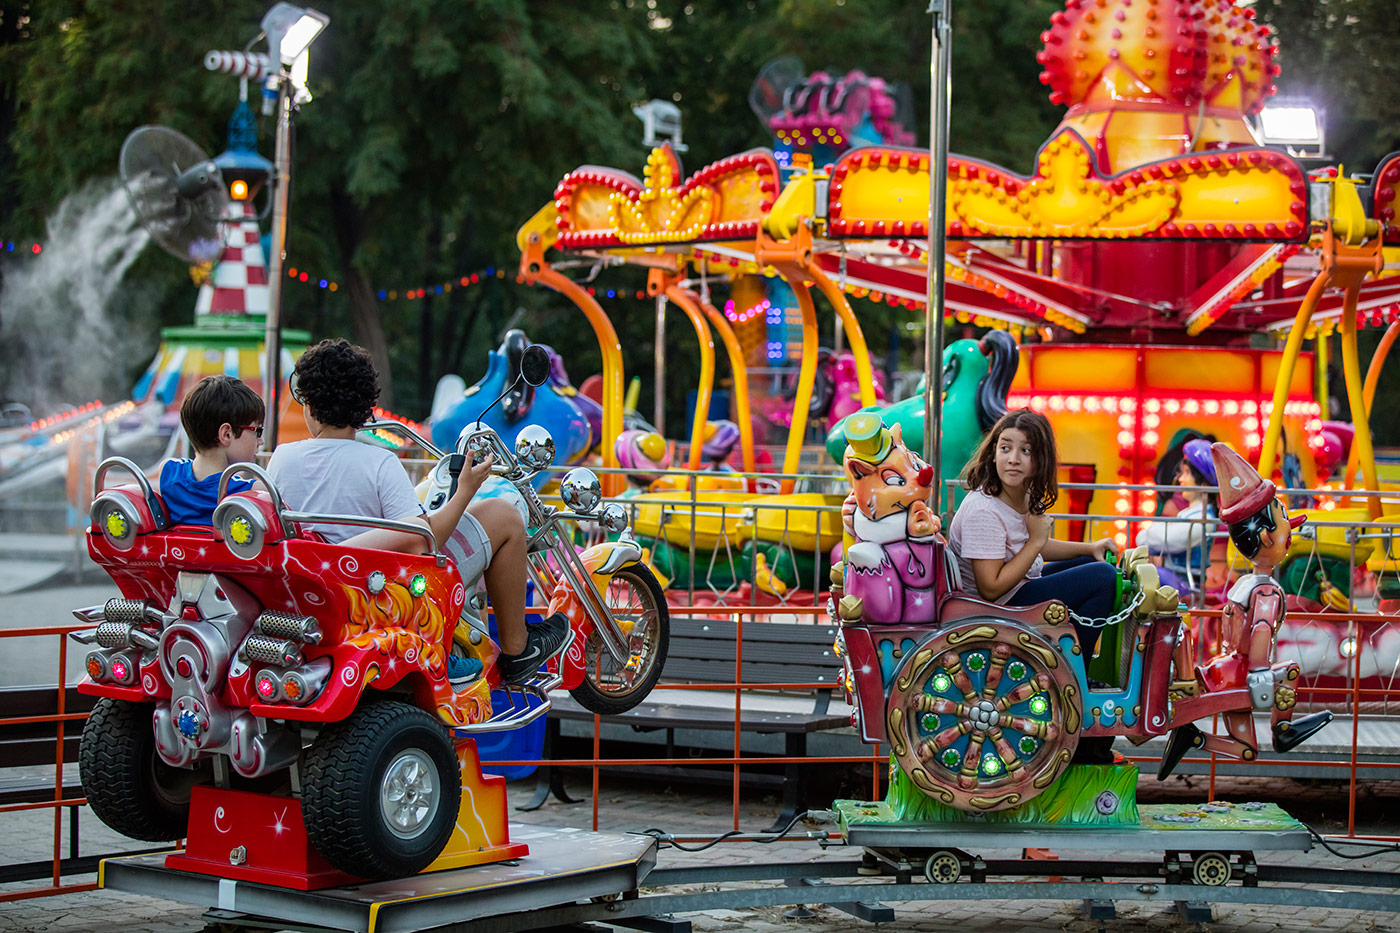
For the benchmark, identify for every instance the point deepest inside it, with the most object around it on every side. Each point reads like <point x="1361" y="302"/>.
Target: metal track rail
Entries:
<point x="860" y="887"/>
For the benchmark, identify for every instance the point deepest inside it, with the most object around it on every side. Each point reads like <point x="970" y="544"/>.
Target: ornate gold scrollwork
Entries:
<point x="1047" y="777"/>
<point x="981" y="631"/>
<point x="936" y="791"/>
<point x="912" y="668"/>
<point x="1071" y="712"/>
<point x="1035" y="647"/>
<point x="989" y="803"/>
<point x="895" y="721"/>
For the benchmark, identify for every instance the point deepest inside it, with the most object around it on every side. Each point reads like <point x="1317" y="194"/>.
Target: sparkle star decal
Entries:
<point x="279" y="826"/>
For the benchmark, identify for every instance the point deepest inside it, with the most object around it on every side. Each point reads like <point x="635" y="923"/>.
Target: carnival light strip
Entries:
<point x="1242" y="285"/>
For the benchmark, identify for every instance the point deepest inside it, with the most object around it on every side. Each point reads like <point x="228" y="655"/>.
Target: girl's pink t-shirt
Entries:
<point x="985" y="528"/>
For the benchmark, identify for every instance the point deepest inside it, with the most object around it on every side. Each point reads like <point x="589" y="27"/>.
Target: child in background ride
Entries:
<point x="223" y="419"/>
<point x="332" y="473"/>
<point x="1001" y="534"/>
<point x="1180" y="548"/>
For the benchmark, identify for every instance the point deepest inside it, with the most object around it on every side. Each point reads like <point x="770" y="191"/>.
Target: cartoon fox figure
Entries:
<point x="891" y="567"/>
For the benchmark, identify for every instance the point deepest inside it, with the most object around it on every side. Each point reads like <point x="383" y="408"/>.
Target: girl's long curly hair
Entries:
<point x="337" y="382"/>
<point x="1042" y="486"/>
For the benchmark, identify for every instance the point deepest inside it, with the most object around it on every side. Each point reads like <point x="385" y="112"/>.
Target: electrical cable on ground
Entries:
<point x="1376" y="848"/>
<point x="664" y="838"/>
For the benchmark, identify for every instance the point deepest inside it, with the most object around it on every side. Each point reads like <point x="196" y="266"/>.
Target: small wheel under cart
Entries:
<point x="944" y="866"/>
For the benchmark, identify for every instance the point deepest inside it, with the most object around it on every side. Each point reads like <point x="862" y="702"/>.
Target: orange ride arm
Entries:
<point x="685" y="301"/>
<point x="1368" y="392"/>
<point x="1284" y="379"/>
<point x="865" y="377"/>
<point x="534" y="269"/>
<point x="741" y="380"/>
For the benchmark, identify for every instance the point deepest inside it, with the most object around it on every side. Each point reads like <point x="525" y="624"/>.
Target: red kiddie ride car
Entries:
<point x="252" y="656"/>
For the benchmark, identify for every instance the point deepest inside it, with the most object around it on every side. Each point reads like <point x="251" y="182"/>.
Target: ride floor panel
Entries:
<point x="564" y="865"/>
<point x="1160" y="827"/>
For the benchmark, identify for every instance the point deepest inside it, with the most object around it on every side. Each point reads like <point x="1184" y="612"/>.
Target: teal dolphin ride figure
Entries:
<point x="524" y="404"/>
<point x="976" y="377"/>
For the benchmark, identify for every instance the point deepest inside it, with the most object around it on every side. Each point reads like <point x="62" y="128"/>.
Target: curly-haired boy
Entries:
<point x="332" y="473"/>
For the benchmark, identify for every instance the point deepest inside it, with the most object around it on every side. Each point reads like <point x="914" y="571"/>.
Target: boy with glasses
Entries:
<point x="223" y="419"/>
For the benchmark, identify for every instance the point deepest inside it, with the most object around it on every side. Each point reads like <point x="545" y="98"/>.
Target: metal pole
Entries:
<point x="272" y="340"/>
<point x="659" y="413"/>
<point x="940" y="94"/>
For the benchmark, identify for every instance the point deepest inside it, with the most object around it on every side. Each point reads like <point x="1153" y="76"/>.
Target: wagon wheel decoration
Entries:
<point x="984" y="716"/>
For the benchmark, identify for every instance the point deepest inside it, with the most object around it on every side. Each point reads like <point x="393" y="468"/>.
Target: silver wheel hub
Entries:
<point x="409" y="794"/>
<point x="983" y="715"/>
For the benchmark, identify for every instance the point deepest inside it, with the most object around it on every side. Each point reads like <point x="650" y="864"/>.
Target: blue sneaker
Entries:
<point x="462" y="671"/>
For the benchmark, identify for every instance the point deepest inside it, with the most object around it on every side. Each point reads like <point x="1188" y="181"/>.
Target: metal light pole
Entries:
<point x="272" y="340"/>
<point x="290" y="30"/>
<point x="940" y="95"/>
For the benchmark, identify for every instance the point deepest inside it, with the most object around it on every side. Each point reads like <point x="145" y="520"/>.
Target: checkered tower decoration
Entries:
<point x="236" y="289"/>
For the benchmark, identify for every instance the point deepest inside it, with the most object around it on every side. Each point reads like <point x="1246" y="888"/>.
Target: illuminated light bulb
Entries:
<point x="240" y="530"/>
<point x="1191" y="406"/>
<point x="1126" y="421"/>
<point x="267" y="687"/>
<point x="238" y="190"/>
<point x="291" y="688"/>
<point x="1125" y="438"/>
<point x="1121" y="524"/>
<point x="116" y="524"/>
<point x="1231" y="407"/>
<point x="1171" y="406"/>
<point x="119" y="669"/>
<point x="1037" y="403"/>
<point x="1057" y="403"/>
<point x="1149" y="439"/>
<point x="1150" y="421"/>
<point x="1152" y="405"/>
<point x="1110" y="404"/>
<point x="1121" y="539"/>
<point x="1211" y="406"/>
<point x="1121" y="506"/>
<point x="1128" y="404"/>
<point x="1091" y="404"/>
<point x="1073" y="403"/>
<point x="1252" y="440"/>
<point x="1251" y="424"/>
<point x="1250" y="408"/>
<point x="94" y="668"/>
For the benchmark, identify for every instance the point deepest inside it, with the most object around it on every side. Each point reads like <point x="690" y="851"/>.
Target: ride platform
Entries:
<point x="564" y="866"/>
<point x="1235" y="827"/>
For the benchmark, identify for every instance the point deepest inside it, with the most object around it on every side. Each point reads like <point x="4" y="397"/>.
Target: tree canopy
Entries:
<point x="439" y="126"/>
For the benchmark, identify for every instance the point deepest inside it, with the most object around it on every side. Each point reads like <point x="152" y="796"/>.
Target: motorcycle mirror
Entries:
<point x="581" y="490"/>
<point x="534" y="365"/>
<point x="613" y="518"/>
<point x="534" y="447"/>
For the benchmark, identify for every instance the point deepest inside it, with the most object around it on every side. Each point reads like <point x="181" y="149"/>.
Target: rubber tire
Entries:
<point x="127" y="785"/>
<point x="595" y="700"/>
<point x="345" y="766"/>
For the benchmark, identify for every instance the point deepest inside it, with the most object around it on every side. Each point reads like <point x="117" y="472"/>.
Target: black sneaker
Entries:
<point x="543" y="640"/>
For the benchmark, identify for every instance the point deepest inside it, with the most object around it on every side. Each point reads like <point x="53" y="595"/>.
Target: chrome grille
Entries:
<point x="126" y="611"/>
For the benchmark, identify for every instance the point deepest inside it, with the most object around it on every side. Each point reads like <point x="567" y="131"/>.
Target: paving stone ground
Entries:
<point x="699" y="811"/>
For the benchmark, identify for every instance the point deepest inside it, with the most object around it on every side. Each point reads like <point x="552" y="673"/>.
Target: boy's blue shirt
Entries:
<point x="191" y="501"/>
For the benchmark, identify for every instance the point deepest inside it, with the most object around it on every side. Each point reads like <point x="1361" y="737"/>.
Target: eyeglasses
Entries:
<point x="256" y="428"/>
<point x="294" y="387"/>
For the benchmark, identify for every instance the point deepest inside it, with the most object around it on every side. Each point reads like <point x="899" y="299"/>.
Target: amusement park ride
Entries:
<point x="1151" y="222"/>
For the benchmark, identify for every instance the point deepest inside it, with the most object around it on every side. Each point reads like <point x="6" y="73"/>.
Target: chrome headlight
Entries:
<point x="242" y="527"/>
<point x="581" y="490"/>
<point x="116" y="519"/>
<point x="613" y="518"/>
<point x="534" y="447"/>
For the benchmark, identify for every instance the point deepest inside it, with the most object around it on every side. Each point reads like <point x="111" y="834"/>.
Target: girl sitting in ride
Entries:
<point x="1001" y="534"/>
<point x="1180" y="548"/>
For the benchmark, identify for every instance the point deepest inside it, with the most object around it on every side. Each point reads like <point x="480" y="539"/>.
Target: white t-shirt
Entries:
<point x="986" y="528"/>
<point x="339" y="477"/>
